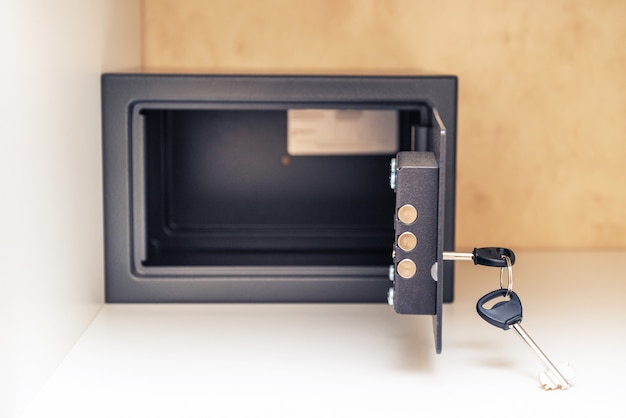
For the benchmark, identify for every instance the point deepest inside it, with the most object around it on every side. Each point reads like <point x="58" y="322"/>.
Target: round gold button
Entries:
<point x="407" y="241"/>
<point x="407" y="268"/>
<point x="407" y="214"/>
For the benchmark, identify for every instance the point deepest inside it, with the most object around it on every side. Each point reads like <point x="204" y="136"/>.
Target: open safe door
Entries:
<point x="419" y="228"/>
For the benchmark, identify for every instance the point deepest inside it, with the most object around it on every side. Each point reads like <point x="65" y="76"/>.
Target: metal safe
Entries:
<point x="240" y="188"/>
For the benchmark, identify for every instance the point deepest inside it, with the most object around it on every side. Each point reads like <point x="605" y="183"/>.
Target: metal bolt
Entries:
<point x="407" y="241"/>
<point x="392" y="273"/>
<point x="407" y="214"/>
<point x="390" y="296"/>
<point x="407" y="268"/>
<point x="393" y="174"/>
<point x="433" y="272"/>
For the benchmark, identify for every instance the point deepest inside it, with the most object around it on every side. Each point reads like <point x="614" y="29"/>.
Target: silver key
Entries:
<point x="508" y="314"/>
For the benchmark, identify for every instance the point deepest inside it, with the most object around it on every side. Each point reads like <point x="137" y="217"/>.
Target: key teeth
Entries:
<point x="548" y="382"/>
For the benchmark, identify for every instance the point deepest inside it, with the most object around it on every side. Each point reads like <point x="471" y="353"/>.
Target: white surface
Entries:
<point x="357" y="360"/>
<point x="53" y="53"/>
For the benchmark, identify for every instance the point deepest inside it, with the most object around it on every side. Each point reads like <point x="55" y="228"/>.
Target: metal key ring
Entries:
<point x="509" y="268"/>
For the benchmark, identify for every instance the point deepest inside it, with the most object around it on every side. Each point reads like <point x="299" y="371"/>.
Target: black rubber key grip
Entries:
<point x="502" y="314"/>
<point x="492" y="256"/>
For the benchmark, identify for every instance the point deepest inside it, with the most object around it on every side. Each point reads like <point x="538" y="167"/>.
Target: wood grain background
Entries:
<point x="542" y="99"/>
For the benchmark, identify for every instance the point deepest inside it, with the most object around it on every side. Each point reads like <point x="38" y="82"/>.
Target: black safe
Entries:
<point x="238" y="188"/>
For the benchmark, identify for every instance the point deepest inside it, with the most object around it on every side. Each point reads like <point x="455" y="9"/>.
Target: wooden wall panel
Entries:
<point x="542" y="100"/>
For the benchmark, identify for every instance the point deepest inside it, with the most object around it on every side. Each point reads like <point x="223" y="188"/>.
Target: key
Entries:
<point x="508" y="314"/>
<point x="487" y="256"/>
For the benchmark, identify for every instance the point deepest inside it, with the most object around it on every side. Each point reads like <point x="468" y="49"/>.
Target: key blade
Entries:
<point x="457" y="256"/>
<point x="560" y="379"/>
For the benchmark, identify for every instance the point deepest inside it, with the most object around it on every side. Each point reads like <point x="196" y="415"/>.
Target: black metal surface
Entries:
<point x="417" y="185"/>
<point x="140" y="108"/>
<point x="226" y="193"/>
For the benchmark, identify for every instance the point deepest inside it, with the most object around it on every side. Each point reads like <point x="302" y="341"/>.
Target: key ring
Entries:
<point x="509" y="269"/>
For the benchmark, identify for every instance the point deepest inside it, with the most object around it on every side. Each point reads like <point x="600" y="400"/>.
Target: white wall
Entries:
<point x="51" y="282"/>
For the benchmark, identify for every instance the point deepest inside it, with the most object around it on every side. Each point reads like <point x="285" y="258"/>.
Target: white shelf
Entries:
<point x="356" y="360"/>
